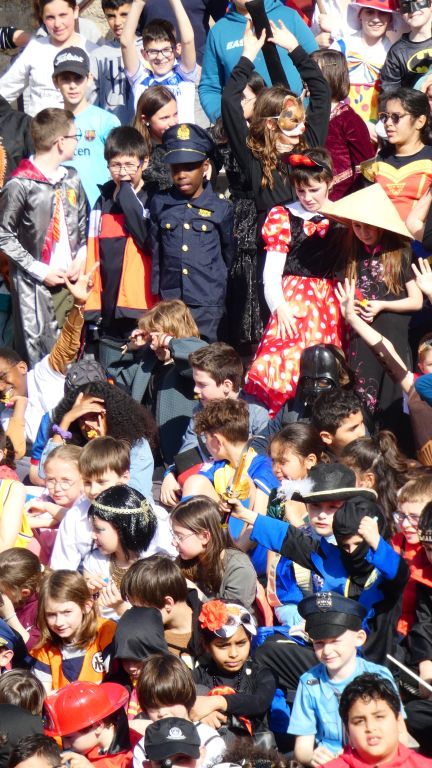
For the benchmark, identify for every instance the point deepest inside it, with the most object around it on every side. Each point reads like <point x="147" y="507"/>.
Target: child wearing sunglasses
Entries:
<point x="404" y="166"/>
<point x="238" y="694"/>
<point x="302" y="248"/>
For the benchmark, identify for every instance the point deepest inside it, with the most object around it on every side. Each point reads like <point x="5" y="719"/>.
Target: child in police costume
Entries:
<point x="334" y="624"/>
<point x="192" y="232"/>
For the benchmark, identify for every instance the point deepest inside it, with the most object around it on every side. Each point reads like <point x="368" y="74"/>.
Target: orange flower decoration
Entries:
<point x="214" y="615"/>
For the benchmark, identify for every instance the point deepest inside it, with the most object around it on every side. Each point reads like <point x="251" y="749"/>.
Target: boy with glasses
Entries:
<point x="73" y="79"/>
<point x="117" y="241"/>
<point x="158" y="64"/>
<point x="43" y="234"/>
<point x="412" y="498"/>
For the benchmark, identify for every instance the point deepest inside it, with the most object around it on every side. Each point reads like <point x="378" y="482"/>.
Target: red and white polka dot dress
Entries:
<point x="274" y="373"/>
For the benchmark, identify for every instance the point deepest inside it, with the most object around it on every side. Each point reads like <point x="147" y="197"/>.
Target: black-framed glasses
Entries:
<point x="395" y="117"/>
<point x="77" y="136"/>
<point x="153" y="53"/>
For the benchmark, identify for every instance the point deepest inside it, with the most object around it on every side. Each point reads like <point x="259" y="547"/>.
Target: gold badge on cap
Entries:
<point x="183" y="132"/>
<point x="324" y="601"/>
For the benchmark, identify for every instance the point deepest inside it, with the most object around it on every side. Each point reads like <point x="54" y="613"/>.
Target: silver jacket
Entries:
<point x="27" y="204"/>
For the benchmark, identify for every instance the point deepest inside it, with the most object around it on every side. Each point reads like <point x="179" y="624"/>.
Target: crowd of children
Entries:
<point x="216" y="385"/>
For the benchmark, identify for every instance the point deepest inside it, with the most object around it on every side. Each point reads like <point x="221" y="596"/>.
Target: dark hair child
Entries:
<point x="236" y="689"/>
<point x="348" y="139"/>
<point x="301" y="258"/>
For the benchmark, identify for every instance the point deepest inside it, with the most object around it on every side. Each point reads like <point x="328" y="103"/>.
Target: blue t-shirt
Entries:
<point x="315" y="710"/>
<point x="95" y="124"/>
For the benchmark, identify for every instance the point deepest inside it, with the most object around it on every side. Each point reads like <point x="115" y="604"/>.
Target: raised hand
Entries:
<point x="423" y="276"/>
<point x="83" y="287"/>
<point x="282" y="36"/>
<point x="345" y="294"/>
<point x="251" y="43"/>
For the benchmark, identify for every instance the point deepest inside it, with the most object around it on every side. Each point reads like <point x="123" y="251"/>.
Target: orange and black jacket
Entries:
<point x="117" y="239"/>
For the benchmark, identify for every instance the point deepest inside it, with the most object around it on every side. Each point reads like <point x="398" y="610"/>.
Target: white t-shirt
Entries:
<point x="74" y="540"/>
<point x="34" y="68"/>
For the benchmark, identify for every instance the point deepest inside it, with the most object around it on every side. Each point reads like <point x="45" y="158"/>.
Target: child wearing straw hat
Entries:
<point x="379" y="260"/>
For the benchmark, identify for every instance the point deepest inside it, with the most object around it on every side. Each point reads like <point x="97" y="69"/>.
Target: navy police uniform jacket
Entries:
<point x="192" y="246"/>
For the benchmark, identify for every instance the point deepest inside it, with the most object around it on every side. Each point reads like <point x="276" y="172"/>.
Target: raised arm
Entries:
<point x="345" y="294"/>
<point x="318" y="110"/>
<point x="233" y="119"/>
<point x="131" y="57"/>
<point x="67" y="345"/>
<point x="187" y="37"/>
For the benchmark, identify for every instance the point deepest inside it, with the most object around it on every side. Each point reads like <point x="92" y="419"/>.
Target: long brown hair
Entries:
<point x="201" y="515"/>
<point x="150" y="102"/>
<point x="395" y="253"/>
<point x="262" y="139"/>
<point x="67" y="586"/>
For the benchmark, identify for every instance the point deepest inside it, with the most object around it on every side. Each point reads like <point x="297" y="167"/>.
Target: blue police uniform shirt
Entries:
<point x="315" y="710"/>
<point x="95" y="124"/>
<point x="192" y="246"/>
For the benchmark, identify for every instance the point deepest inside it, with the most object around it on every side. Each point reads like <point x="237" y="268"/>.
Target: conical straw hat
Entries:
<point x="367" y="206"/>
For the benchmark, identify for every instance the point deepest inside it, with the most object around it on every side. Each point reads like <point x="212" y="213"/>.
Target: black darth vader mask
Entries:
<point x="318" y="373"/>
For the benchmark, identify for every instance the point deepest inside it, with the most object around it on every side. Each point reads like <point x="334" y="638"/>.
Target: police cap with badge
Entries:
<point x="186" y="143"/>
<point x="329" y="615"/>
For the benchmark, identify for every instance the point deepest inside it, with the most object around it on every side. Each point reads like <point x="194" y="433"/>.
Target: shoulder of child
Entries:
<point x="313" y="676"/>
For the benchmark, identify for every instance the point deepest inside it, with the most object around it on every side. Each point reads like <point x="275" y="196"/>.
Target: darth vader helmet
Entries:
<point x="318" y="373"/>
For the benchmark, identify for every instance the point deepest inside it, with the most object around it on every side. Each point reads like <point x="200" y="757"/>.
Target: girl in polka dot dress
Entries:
<point x="302" y="250"/>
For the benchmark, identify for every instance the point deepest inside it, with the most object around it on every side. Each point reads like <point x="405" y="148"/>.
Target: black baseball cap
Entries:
<point x="72" y="59"/>
<point x="171" y="736"/>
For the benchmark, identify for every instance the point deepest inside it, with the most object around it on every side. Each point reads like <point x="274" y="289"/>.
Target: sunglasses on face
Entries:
<point x="395" y="117"/>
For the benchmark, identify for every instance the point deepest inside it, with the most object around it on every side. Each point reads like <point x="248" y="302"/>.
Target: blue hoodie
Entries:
<point x="224" y="47"/>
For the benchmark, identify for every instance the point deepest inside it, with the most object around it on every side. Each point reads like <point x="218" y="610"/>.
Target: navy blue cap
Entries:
<point x="186" y="143"/>
<point x="328" y="615"/>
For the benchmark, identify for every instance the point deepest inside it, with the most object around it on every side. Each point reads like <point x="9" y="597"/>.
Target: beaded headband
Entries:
<point x="143" y="509"/>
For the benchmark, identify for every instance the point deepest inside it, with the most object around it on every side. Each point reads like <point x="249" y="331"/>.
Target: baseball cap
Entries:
<point x="171" y="736"/>
<point x="72" y="59"/>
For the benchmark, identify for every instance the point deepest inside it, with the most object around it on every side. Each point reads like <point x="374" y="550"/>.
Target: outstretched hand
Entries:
<point x="83" y="287"/>
<point x="282" y="36"/>
<point x="423" y="276"/>
<point x="251" y="43"/>
<point x="345" y="294"/>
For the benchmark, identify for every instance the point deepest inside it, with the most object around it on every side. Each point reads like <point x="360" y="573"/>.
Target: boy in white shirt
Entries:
<point x="158" y="64"/>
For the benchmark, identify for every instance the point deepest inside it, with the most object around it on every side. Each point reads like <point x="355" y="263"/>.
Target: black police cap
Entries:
<point x="329" y="615"/>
